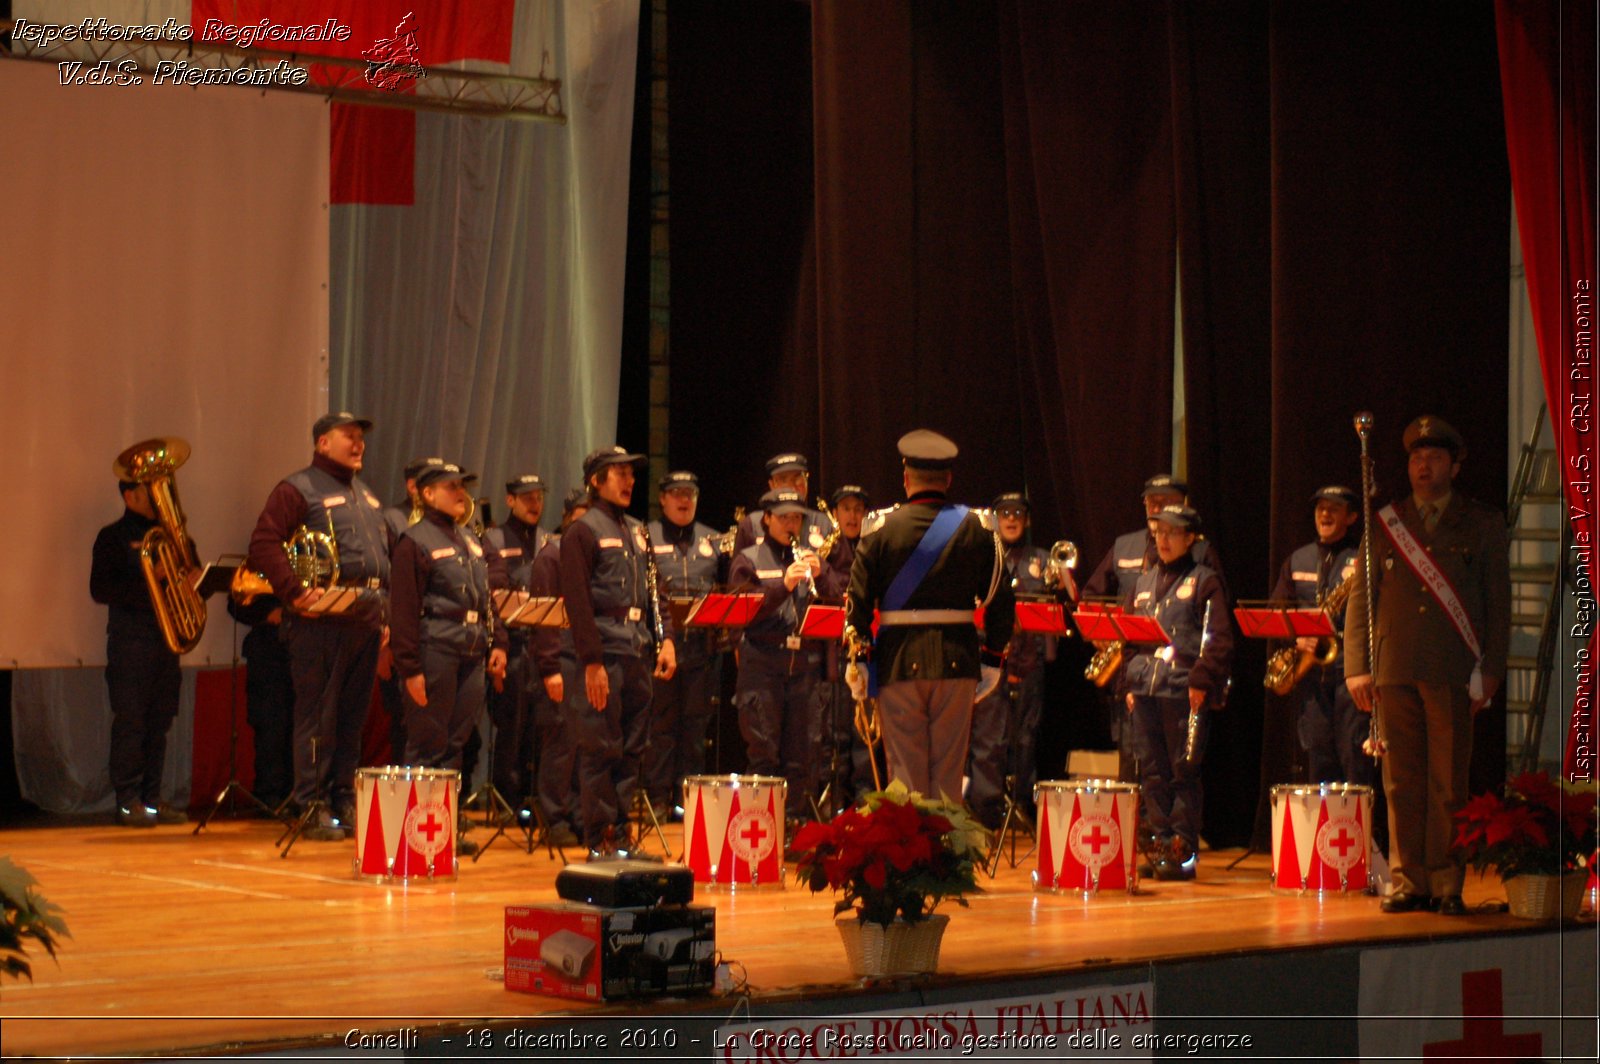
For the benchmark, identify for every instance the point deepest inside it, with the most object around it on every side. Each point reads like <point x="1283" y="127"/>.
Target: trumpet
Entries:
<point x="166" y="554"/>
<point x="1063" y="560"/>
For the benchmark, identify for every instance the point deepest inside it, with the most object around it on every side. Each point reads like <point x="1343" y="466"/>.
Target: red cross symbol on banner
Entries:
<point x="1483" y="1034"/>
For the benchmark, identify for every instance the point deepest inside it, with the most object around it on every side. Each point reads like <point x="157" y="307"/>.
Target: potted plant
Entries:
<point x="1538" y="836"/>
<point x="893" y="859"/>
<point x="27" y="916"/>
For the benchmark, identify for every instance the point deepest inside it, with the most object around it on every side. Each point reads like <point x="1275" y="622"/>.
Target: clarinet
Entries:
<point x="1192" y="732"/>
<point x="652" y="588"/>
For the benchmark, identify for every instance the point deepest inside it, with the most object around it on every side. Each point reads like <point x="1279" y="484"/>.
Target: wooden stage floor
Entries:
<point x="183" y="943"/>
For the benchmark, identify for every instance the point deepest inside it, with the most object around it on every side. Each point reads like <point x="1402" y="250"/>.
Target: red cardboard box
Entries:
<point x="582" y="951"/>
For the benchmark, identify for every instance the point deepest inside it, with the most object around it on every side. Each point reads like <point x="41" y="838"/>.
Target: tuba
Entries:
<point x="1289" y="666"/>
<point x="166" y="554"/>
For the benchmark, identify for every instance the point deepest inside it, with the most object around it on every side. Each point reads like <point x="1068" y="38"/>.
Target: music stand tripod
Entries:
<point x="234" y="784"/>
<point x="495" y="807"/>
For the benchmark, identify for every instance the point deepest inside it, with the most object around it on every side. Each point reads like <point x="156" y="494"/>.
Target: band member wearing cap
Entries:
<point x="334" y="657"/>
<point x="1170" y="690"/>
<point x="512" y="546"/>
<point x="442" y="622"/>
<point x="848" y="757"/>
<point x="142" y="674"/>
<point x="1442" y="623"/>
<point x="777" y="670"/>
<point x="555" y="664"/>
<point x="399" y="517"/>
<point x="1331" y="728"/>
<point x="1130" y="556"/>
<point x="689" y="566"/>
<point x="1005" y="724"/>
<point x="605" y="581"/>
<point x="925" y="567"/>
<point x="785" y="472"/>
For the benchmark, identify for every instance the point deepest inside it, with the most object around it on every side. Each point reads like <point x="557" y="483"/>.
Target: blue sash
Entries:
<point x="910" y="576"/>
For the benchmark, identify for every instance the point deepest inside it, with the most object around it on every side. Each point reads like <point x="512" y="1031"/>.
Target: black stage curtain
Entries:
<point x="1391" y="233"/>
<point x="1004" y="191"/>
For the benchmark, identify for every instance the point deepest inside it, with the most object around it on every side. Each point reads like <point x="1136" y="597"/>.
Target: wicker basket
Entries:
<point x="1545" y="897"/>
<point x="898" y="949"/>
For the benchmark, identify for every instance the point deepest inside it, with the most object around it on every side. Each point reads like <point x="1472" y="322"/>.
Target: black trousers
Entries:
<point x="778" y="717"/>
<point x="610" y="741"/>
<point x="143" y="681"/>
<point x="335" y="666"/>
<point x="680" y="715"/>
<point x="436" y="734"/>
<point x="269" y="707"/>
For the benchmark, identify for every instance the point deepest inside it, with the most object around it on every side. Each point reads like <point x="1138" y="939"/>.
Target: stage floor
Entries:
<point x="213" y="943"/>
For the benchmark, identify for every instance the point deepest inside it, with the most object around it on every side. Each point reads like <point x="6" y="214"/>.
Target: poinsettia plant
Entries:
<point x="896" y="854"/>
<point x="1534" y="827"/>
<point x="27" y="916"/>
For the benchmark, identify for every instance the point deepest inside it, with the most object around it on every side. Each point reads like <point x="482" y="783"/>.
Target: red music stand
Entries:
<point x="724" y="609"/>
<point x="823" y="621"/>
<point x="1106" y="626"/>
<point x="1267" y="621"/>
<point x="1041" y="617"/>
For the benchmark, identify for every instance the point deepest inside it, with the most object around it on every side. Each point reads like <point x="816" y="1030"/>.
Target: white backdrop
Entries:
<point x="165" y="274"/>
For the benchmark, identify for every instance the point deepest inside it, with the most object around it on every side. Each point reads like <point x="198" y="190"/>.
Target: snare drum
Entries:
<point x="733" y="829"/>
<point x="1320" y="836"/>
<point x="406" y="823"/>
<point x="1087" y="833"/>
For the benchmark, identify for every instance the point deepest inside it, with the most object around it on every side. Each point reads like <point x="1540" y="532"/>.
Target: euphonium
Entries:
<point x="166" y="554"/>
<point x="1289" y="666"/>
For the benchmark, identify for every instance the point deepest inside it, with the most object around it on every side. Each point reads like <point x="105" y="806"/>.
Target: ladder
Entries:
<point x="1537" y="529"/>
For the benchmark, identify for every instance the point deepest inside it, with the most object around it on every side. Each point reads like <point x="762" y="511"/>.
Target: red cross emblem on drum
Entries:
<point x="1341" y="843"/>
<point x="1094" y="841"/>
<point x="428" y="828"/>
<point x="752" y="834"/>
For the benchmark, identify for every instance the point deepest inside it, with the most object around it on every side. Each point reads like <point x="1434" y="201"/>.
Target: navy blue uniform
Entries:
<point x="1005" y="724"/>
<point x="334" y="658"/>
<point x="777" y="674"/>
<point x="142" y="675"/>
<point x="603" y="582"/>
<point x="512" y="548"/>
<point x="442" y="629"/>
<point x="688" y="565"/>
<point x="1331" y="727"/>
<point x="1189" y="601"/>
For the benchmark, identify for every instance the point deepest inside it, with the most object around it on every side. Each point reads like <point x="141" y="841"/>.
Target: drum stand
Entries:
<point x="234" y="783"/>
<point x="839" y="764"/>
<point x="1011" y="825"/>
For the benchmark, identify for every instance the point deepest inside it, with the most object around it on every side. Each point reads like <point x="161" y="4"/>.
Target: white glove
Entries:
<point x="856" y="677"/>
<point x="988" y="681"/>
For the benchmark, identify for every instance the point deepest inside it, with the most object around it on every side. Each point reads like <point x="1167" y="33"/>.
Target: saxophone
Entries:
<point x="832" y="537"/>
<point x="1105" y="663"/>
<point x="726" y="541"/>
<point x="1289" y="666"/>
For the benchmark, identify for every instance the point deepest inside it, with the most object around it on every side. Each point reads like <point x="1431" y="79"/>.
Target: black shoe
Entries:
<point x="165" y="814"/>
<point x="1406" y="902"/>
<point x="137" y="815"/>
<point x="323" y="828"/>
<point x="345" y="813"/>
<point x="1451" y="905"/>
<point x="1169" y="869"/>
<point x="466" y="847"/>
<point x="561" y="836"/>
